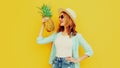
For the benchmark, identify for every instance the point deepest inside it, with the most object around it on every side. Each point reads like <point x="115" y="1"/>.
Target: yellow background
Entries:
<point x="20" y="23"/>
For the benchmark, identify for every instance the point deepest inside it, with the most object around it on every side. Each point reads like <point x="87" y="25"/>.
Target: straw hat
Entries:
<point x="70" y="12"/>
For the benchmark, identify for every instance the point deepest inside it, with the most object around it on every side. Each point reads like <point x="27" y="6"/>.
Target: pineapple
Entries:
<point x="46" y="12"/>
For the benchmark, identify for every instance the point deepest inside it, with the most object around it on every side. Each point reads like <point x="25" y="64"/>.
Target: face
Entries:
<point x="62" y="19"/>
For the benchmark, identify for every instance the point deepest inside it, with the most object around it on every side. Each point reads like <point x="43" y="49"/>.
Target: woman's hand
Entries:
<point x="45" y="19"/>
<point x="77" y="60"/>
<point x="71" y="59"/>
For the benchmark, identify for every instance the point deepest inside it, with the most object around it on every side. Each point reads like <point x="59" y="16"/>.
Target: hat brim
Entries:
<point x="64" y="10"/>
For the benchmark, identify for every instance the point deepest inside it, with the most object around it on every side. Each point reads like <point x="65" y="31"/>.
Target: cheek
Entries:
<point x="64" y="22"/>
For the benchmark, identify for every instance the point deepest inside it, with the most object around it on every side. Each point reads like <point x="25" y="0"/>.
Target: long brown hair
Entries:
<point x="70" y="26"/>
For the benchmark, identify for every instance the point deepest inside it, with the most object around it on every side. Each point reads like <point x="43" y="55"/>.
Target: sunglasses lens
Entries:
<point x="61" y="17"/>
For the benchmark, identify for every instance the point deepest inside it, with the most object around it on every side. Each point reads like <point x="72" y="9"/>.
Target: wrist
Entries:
<point x="79" y="59"/>
<point x="43" y="25"/>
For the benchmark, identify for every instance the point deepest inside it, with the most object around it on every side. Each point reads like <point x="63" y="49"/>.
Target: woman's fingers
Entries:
<point x="45" y="19"/>
<point x="69" y="58"/>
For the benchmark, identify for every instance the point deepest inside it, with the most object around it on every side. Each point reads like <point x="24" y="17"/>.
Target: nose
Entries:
<point x="60" y="19"/>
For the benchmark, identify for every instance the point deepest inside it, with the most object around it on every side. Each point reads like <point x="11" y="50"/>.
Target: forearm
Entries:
<point x="83" y="57"/>
<point x="41" y="30"/>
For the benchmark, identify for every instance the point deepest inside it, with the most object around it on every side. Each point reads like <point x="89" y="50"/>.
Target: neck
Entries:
<point x="65" y="31"/>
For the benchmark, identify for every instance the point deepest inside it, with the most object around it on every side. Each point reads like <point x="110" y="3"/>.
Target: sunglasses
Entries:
<point x="61" y="16"/>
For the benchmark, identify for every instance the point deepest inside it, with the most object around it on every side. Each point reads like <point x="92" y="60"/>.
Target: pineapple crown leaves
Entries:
<point x="45" y="10"/>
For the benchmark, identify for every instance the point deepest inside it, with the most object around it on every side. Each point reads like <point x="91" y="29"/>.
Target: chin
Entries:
<point x="61" y="25"/>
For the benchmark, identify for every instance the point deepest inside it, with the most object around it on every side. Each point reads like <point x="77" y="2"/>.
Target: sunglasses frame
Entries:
<point x="61" y="16"/>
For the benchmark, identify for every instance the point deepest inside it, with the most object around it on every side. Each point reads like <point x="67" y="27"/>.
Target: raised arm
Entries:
<point x="40" y="39"/>
<point x="44" y="20"/>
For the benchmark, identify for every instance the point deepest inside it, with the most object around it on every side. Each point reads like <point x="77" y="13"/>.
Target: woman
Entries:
<point x="66" y="40"/>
